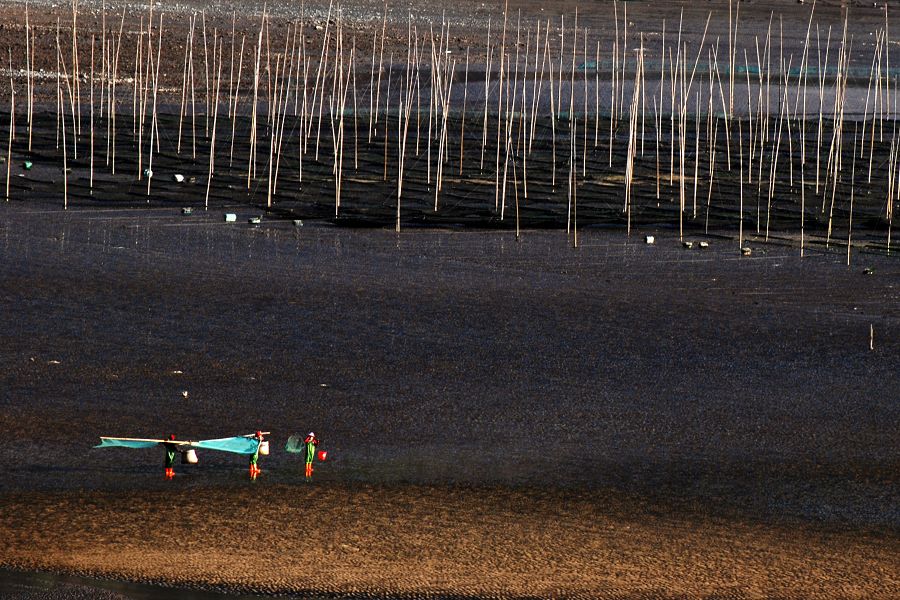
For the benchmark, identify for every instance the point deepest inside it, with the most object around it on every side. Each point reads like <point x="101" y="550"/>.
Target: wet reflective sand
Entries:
<point x="497" y="413"/>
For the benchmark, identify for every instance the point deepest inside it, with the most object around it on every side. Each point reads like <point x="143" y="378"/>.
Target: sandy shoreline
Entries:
<point x="419" y="541"/>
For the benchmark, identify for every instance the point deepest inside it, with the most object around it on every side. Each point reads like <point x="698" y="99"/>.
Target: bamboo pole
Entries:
<point x="432" y="74"/>
<point x="515" y="94"/>
<point x="59" y="102"/>
<point x="462" y="119"/>
<point x="880" y="109"/>
<point x="775" y="155"/>
<point x="562" y="52"/>
<point x="104" y="65"/>
<point x="62" y="64"/>
<point x="342" y="107"/>
<point x="890" y="216"/>
<point x="251" y="160"/>
<point x="273" y="133"/>
<point x="403" y="119"/>
<point x="614" y="75"/>
<point x="584" y="108"/>
<point x="637" y="91"/>
<point x="534" y="87"/>
<point x="852" y="189"/>
<point x="840" y="92"/>
<point x="355" y="111"/>
<point x="212" y="143"/>
<point x="506" y="146"/>
<point x="500" y="107"/>
<point x="741" y="187"/>
<point x="138" y="100"/>
<point x="387" y="112"/>
<point x="193" y="88"/>
<point x="657" y="123"/>
<point x="76" y="79"/>
<point x="597" y="96"/>
<point x="821" y="107"/>
<point x="91" y="184"/>
<point x="524" y="120"/>
<point x="419" y="54"/>
<point x="231" y="67"/>
<point x="282" y="99"/>
<point x="696" y="149"/>
<point x="112" y="97"/>
<point x="574" y="137"/>
<point x="237" y="91"/>
<point x="372" y="88"/>
<point x="731" y="42"/>
<point x="552" y="122"/>
<point x="153" y="121"/>
<point x="487" y="75"/>
<point x="12" y="112"/>
<point x="184" y="74"/>
<point x="538" y="90"/>
<point x="712" y="172"/>
<point x="624" y="57"/>
<point x="321" y="96"/>
<point x="509" y="115"/>
<point x="29" y="77"/>
<point x="205" y="69"/>
<point x="443" y="142"/>
<point x="887" y="60"/>
<point x="570" y="184"/>
<point x="380" y="71"/>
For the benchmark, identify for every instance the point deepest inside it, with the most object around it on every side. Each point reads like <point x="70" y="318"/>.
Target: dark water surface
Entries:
<point x="458" y="357"/>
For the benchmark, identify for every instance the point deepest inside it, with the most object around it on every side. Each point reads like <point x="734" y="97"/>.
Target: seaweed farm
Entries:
<point x="534" y="123"/>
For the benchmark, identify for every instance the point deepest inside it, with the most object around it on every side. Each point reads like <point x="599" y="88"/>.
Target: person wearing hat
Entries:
<point x="254" y="468"/>
<point x="171" y="453"/>
<point x="311" y="442"/>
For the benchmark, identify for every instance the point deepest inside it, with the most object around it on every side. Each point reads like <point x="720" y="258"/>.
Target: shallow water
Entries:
<point x="451" y="357"/>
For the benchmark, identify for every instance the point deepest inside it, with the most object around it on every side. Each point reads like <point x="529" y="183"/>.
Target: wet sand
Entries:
<point x="411" y="541"/>
<point x="503" y="418"/>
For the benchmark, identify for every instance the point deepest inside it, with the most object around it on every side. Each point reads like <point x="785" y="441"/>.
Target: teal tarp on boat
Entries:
<point x="125" y="443"/>
<point x="238" y="445"/>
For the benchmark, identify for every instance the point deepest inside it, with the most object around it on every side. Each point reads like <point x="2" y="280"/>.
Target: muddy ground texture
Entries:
<point x="504" y="418"/>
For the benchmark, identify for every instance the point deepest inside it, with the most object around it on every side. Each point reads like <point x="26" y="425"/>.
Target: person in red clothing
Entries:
<point x="171" y="453"/>
<point x="254" y="467"/>
<point x="311" y="442"/>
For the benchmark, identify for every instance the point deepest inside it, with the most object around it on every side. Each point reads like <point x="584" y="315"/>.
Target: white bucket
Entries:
<point x="189" y="457"/>
<point x="264" y="447"/>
